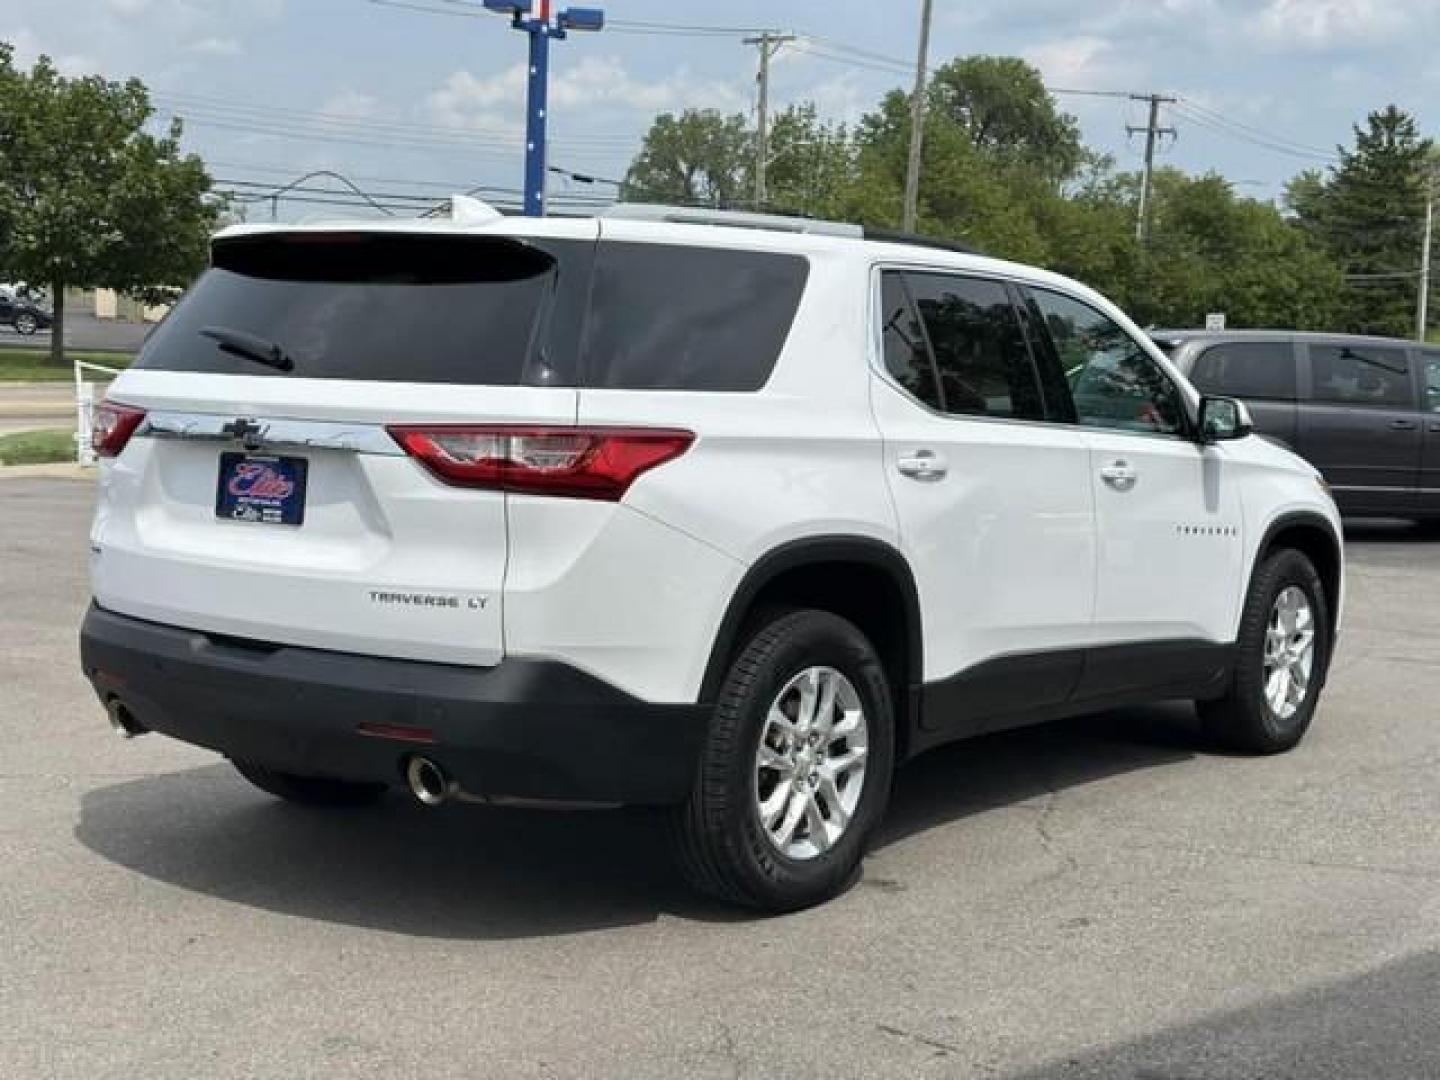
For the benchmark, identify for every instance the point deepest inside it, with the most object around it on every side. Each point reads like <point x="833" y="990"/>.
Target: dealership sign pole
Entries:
<point x="541" y="26"/>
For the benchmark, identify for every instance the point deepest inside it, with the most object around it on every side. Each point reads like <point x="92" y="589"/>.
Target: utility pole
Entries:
<point x="1422" y="307"/>
<point x="917" y="122"/>
<point x="541" y="29"/>
<point x="770" y="44"/>
<point x="1152" y="131"/>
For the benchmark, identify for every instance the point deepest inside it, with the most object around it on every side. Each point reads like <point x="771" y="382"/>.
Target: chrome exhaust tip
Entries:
<point x="429" y="782"/>
<point x="122" y="720"/>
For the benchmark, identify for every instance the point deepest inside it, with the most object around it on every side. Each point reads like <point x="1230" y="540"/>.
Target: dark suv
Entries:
<point x="1364" y="410"/>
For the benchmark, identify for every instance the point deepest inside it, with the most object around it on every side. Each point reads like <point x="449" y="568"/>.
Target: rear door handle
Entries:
<point x="1120" y="475"/>
<point x="923" y="465"/>
<point x="1403" y="425"/>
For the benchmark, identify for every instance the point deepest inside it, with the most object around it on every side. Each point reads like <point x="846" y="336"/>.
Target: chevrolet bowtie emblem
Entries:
<point x="249" y="433"/>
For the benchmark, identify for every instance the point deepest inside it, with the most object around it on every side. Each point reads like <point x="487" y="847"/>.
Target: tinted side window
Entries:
<point x="1361" y="375"/>
<point x="907" y="357"/>
<point x="666" y="317"/>
<point x="980" y="352"/>
<point x="1253" y="369"/>
<point x="1114" y="382"/>
<point x="1432" y="381"/>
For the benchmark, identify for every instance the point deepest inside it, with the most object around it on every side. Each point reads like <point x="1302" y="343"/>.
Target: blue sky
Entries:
<point x="417" y="103"/>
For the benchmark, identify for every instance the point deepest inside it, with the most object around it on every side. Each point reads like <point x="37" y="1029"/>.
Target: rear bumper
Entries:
<point x="526" y="729"/>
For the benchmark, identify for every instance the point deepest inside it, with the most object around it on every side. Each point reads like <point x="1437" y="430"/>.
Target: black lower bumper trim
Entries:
<point x="524" y="729"/>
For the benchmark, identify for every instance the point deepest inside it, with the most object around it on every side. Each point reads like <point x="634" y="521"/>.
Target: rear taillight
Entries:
<point x="114" y="424"/>
<point x="584" y="463"/>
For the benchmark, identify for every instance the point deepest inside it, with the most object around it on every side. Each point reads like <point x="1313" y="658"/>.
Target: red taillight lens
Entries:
<point x="584" y="463"/>
<point x="114" y="424"/>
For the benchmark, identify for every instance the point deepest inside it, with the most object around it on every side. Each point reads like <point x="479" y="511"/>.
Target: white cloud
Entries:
<point x="351" y="105"/>
<point x="842" y="98"/>
<point x="1323" y="24"/>
<point x="26" y="45"/>
<point x="28" y="49"/>
<point x="128" y="9"/>
<point x="465" y="100"/>
<point x="1086" y="62"/>
<point x="216" y="46"/>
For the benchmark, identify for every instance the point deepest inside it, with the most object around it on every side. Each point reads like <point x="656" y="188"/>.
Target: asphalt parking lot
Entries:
<point x="1098" y="899"/>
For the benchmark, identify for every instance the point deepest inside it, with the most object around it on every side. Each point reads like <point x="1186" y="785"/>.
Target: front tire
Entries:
<point x="309" y="790"/>
<point x="26" y="323"/>
<point x="1283" y="653"/>
<point x="796" y="767"/>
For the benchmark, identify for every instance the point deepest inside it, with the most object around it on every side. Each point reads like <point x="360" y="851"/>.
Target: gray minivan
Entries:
<point x="1364" y="410"/>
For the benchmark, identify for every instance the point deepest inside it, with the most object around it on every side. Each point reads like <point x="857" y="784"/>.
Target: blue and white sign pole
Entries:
<point x="541" y="27"/>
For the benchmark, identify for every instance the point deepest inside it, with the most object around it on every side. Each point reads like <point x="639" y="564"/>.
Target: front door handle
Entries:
<point x="923" y="465"/>
<point x="1403" y="425"/>
<point x="1119" y="474"/>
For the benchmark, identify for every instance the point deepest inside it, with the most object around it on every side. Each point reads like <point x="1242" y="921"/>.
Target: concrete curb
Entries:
<point x="57" y="471"/>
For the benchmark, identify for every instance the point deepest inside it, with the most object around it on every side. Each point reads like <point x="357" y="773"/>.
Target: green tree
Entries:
<point x="996" y="155"/>
<point x="1002" y="106"/>
<point x="88" y="198"/>
<point x="700" y="157"/>
<point x="811" y="167"/>
<point x="1369" y="214"/>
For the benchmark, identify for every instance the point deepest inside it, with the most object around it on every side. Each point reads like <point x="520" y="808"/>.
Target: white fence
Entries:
<point x="85" y="410"/>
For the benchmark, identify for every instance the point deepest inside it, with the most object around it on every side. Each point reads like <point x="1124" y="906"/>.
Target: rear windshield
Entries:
<point x="485" y="311"/>
<point x="404" y="308"/>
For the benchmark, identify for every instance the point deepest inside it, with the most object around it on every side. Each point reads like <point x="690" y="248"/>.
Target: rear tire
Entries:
<point x="309" y="790"/>
<point x="26" y="324"/>
<point x="1274" y="690"/>
<point x="796" y="768"/>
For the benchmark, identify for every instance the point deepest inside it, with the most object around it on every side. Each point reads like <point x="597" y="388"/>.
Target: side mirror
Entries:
<point x="1223" y="419"/>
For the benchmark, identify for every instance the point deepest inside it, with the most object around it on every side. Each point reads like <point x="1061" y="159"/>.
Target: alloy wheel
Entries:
<point x="810" y="764"/>
<point x="1289" y="652"/>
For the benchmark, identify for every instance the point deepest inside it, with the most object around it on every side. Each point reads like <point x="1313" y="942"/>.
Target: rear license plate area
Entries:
<point x="261" y="489"/>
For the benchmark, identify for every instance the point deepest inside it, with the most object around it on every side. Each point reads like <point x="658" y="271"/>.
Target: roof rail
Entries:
<point x="888" y="236"/>
<point x="739" y="219"/>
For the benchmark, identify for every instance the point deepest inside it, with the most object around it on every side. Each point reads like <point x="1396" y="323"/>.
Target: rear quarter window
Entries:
<point x="667" y="317"/>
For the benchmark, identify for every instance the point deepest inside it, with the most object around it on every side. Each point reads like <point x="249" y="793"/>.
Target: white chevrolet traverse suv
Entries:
<point x="724" y="514"/>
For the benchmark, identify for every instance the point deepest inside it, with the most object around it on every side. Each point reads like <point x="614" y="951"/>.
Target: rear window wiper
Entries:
<point x="250" y="347"/>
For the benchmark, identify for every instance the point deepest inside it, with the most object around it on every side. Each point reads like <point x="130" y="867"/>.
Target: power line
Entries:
<point x="289" y="170"/>
<point x="583" y="178"/>
<point x="1076" y="92"/>
<point x="1233" y="130"/>
<point x="406" y="5"/>
<point x="202" y="106"/>
<point x="1229" y="121"/>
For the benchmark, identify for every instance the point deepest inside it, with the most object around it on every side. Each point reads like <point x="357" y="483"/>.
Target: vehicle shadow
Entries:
<point x="474" y="872"/>
<point x="1013" y="767"/>
<point x="1379" y="1025"/>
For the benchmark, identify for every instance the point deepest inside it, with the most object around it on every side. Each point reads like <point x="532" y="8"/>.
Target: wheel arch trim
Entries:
<point x="813" y="551"/>
<point x="1315" y="522"/>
